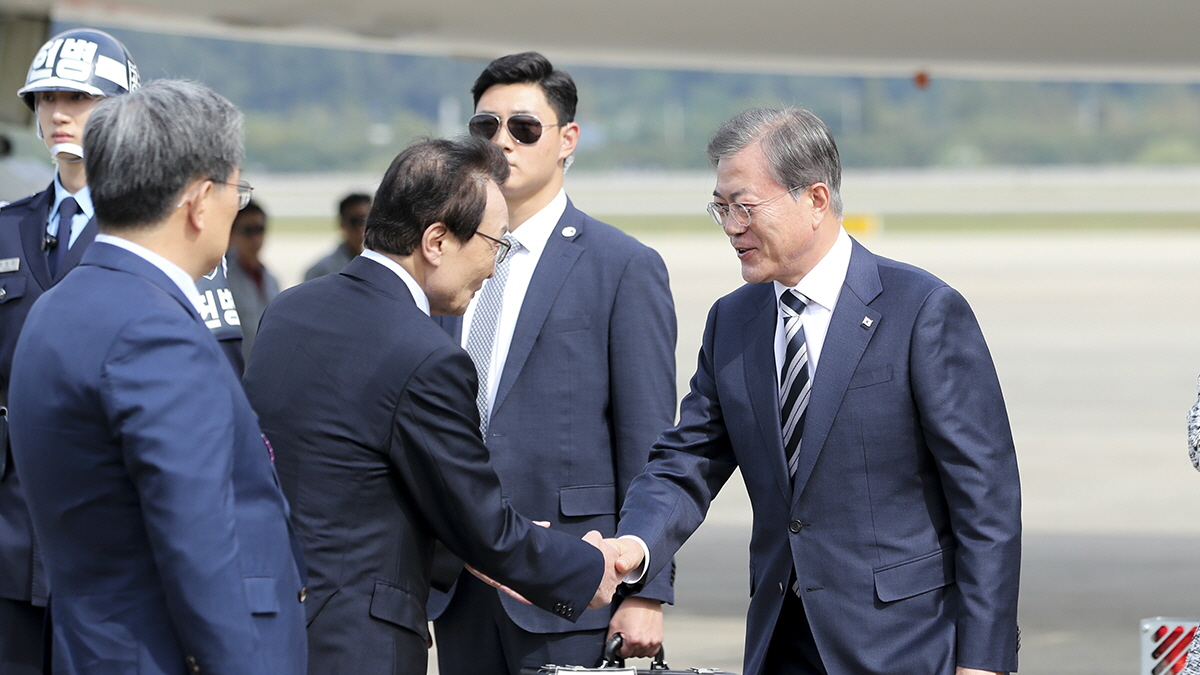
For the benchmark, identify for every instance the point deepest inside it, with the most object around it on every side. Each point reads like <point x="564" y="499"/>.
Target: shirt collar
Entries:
<point x="83" y="198"/>
<point x="174" y="272"/>
<point x="823" y="283"/>
<point x="418" y="293"/>
<point x="535" y="232"/>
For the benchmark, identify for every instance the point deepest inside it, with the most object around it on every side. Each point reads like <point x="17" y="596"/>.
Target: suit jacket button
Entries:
<point x="3" y="293"/>
<point x="782" y="588"/>
<point x="191" y="664"/>
<point x="795" y="526"/>
<point x="303" y="593"/>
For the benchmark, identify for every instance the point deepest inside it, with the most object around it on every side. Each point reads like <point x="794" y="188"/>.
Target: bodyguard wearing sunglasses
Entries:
<point x="574" y="342"/>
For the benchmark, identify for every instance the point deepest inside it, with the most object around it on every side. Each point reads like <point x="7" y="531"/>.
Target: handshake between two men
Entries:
<point x="622" y="557"/>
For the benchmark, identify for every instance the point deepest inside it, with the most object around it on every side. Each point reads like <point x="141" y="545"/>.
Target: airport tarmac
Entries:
<point x="1096" y="337"/>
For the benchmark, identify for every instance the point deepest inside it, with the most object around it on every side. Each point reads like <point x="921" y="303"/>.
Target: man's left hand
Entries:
<point x="640" y="622"/>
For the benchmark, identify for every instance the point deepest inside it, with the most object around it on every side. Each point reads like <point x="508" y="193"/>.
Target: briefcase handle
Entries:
<point x="612" y="660"/>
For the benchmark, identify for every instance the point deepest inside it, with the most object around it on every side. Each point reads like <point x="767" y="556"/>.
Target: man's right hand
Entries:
<point x="612" y="573"/>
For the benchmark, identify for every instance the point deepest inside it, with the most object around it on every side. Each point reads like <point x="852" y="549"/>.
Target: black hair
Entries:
<point x="531" y="68"/>
<point x="433" y="181"/>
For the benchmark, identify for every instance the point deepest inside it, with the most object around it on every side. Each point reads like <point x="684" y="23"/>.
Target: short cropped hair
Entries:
<point x="142" y="149"/>
<point x="531" y="68"/>
<point x="799" y="147"/>
<point x="351" y="200"/>
<point x="433" y="181"/>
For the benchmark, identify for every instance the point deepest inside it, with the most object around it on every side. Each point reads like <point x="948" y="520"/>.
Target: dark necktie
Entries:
<point x="481" y="339"/>
<point x="793" y="378"/>
<point x="66" y="211"/>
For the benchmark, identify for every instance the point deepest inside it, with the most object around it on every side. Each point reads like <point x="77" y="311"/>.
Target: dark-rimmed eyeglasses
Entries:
<point x="524" y="128"/>
<point x="503" y="246"/>
<point x="244" y="191"/>
<point x="741" y="212"/>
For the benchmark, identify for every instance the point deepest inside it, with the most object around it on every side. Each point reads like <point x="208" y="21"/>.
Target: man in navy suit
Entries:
<point x="165" y="535"/>
<point x="42" y="238"/>
<point x="371" y="407"/>
<point x="859" y="399"/>
<point x="575" y="347"/>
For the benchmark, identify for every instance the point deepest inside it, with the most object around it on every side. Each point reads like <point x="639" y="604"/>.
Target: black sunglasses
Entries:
<point x="525" y="129"/>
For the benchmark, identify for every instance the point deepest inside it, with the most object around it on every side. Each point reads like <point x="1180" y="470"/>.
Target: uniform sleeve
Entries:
<point x="174" y="417"/>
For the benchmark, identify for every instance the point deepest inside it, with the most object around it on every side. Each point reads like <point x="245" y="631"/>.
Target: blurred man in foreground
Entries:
<point x="165" y="535"/>
<point x="371" y="409"/>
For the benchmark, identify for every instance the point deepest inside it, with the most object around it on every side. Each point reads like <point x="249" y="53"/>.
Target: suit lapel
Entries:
<point x="762" y="381"/>
<point x="33" y="232"/>
<point x="75" y="253"/>
<point x="556" y="262"/>
<point x="844" y="345"/>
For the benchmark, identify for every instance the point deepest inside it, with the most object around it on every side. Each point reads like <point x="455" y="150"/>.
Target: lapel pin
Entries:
<point x="867" y="322"/>
<point x="568" y="231"/>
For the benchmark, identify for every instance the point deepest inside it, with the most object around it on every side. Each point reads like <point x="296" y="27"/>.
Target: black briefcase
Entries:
<point x="611" y="664"/>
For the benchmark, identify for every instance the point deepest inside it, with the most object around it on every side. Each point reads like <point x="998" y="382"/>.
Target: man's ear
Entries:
<point x="434" y="243"/>
<point x="570" y="138"/>
<point x="195" y="204"/>
<point x="821" y="200"/>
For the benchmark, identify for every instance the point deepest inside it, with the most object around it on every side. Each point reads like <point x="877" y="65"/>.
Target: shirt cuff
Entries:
<point x="636" y="574"/>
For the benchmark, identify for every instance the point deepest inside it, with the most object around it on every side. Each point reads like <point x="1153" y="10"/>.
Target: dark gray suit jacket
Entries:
<point x="371" y="410"/>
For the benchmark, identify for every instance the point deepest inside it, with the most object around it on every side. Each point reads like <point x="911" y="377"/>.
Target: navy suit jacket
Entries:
<point x="165" y="533"/>
<point x="588" y="384"/>
<point x="22" y="229"/>
<point x="371" y="409"/>
<point x="902" y="528"/>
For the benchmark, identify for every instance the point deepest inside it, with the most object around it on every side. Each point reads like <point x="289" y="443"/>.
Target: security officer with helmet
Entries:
<point x="43" y="237"/>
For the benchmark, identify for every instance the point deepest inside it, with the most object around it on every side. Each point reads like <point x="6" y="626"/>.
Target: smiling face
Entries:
<point x="466" y="264"/>
<point x="62" y="115"/>
<point x="535" y="171"/>
<point x="785" y="238"/>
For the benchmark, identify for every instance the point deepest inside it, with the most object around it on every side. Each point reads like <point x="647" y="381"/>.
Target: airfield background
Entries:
<point x="1067" y="212"/>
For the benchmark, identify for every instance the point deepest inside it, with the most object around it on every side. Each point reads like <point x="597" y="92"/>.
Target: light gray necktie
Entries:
<point x="794" y="385"/>
<point x="481" y="340"/>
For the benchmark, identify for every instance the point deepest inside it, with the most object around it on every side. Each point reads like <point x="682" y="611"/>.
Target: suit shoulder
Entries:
<point x="907" y="274"/>
<point x="614" y="239"/>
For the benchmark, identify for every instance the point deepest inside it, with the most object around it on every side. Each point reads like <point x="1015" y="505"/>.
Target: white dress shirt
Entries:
<point x="417" y="292"/>
<point x="174" y="272"/>
<point x="822" y="286"/>
<point x="80" y="220"/>
<point x="533" y="235"/>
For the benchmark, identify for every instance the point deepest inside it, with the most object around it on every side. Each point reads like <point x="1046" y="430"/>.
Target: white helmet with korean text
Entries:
<point x="84" y="60"/>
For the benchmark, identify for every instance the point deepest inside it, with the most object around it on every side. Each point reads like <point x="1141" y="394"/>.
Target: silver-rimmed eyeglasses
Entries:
<point x="741" y="212"/>
<point x="244" y="191"/>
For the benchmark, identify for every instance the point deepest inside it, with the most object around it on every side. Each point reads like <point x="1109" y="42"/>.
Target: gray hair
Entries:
<point x="142" y="149"/>
<point x="799" y="147"/>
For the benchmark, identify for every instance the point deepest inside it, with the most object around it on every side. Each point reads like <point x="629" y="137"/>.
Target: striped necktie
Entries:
<point x="794" y="385"/>
<point x="481" y="339"/>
